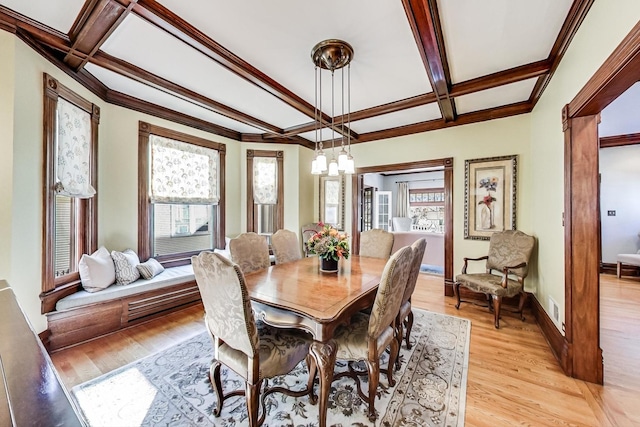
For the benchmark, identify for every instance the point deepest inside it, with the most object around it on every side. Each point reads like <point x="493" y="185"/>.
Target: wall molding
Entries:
<point x="619" y="140"/>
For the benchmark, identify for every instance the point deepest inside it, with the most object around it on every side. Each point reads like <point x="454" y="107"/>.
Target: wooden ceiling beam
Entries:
<point x="273" y="139"/>
<point x="462" y="119"/>
<point x="425" y="23"/>
<point x="512" y="75"/>
<point x="577" y="13"/>
<point x="97" y="20"/>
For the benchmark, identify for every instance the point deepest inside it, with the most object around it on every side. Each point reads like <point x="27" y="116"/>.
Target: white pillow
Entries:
<point x="150" y="269"/>
<point x="126" y="263"/>
<point x="97" y="271"/>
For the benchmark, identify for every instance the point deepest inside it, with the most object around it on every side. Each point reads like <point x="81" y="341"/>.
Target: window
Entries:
<point x="265" y="191"/>
<point x="426" y="209"/>
<point x="70" y="140"/>
<point x="181" y="195"/>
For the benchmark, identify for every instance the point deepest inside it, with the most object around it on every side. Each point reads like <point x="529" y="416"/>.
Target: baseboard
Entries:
<point x="559" y="345"/>
<point x="626" y="270"/>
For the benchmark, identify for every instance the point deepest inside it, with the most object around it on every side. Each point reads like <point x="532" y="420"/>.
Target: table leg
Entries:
<point x="325" y="357"/>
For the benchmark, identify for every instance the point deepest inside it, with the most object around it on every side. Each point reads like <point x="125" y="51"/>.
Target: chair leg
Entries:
<point x="252" y="394"/>
<point x="214" y="376"/>
<point x="373" y="368"/>
<point x="393" y="357"/>
<point x="497" y="301"/>
<point x="523" y="298"/>
<point x="313" y="369"/>
<point x="399" y="331"/>
<point x="619" y="269"/>
<point x="409" y="324"/>
<point x="456" y="291"/>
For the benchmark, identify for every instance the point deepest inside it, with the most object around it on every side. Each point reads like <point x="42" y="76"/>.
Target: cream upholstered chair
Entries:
<point x="308" y="230"/>
<point x="406" y="315"/>
<point x="252" y="349"/>
<point x="250" y="251"/>
<point x="509" y="254"/>
<point x="286" y="246"/>
<point x="376" y="243"/>
<point x="368" y="335"/>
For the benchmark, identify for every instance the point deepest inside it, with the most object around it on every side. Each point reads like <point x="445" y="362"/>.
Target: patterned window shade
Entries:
<point x="182" y="172"/>
<point x="73" y="168"/>
<point x="265" y="181"/>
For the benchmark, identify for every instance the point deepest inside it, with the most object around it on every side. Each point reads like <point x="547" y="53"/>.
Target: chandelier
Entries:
<point x="332" y="55"/>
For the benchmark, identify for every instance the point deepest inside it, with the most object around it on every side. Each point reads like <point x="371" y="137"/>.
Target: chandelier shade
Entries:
<point x="332" y="55"/>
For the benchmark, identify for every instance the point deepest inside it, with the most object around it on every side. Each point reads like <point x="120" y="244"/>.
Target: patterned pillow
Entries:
<point x="150" y="269"/>
<point x="96" y="270"/>
<point x="126" y="263"/>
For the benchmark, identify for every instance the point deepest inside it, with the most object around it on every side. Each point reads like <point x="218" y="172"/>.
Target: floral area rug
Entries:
<point x="172" y="387"/>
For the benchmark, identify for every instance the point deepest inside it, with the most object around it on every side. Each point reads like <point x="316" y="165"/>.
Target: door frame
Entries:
<point x="447" y="165"/>
<point x="582" y="356"/>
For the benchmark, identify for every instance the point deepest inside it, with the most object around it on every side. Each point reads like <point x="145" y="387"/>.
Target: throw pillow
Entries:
<point x="126" y="263"/>
<point x="150" y="269"/>
<point x="97" y="270"/>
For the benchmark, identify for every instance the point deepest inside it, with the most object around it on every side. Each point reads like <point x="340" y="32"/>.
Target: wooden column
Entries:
<point x="582" y="297"/>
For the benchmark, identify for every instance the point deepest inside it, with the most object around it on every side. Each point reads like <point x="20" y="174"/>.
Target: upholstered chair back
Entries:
<point x="390" y="291"/>
<point x="509" y="248"/>
<point x="418" y="247"/>
<point x="286" y="246"/>
<point x="376" y="243"/>
<point x="307" y="231"/>
<point x="250" y="251"/>
<point x="227" y="306"/>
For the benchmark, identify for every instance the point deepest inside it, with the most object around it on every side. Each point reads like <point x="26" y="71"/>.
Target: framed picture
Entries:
<point x="490" y="196"/>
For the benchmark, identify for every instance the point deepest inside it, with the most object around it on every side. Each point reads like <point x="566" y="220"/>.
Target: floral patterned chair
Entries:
<point x="509" y="254"/>
<point x="376" y="243"/>
<point x="250" y="251"/>
<point x="367" y="336"/>
<point x="286" y="246"/>
<point x="252" y="349"/>
<point x="406" y="315"/>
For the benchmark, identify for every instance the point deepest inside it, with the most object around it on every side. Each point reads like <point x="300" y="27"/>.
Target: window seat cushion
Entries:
<point x="170" y="276"/>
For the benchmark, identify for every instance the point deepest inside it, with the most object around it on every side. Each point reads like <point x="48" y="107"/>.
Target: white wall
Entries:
<point x="620" y="191"/>
<point x="7" y="77"/>
<point x="434" y="179"/>
<point x="607" y="23"/>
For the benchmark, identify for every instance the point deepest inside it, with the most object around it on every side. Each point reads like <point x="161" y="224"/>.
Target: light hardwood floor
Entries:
<point x="513" y="377"/>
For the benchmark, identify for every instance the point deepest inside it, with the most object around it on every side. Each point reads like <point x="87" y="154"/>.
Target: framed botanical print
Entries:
<point x="490" y="196"/>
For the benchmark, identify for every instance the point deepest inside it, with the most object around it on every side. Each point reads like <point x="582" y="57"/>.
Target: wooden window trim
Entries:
<point x="144" y="206"/>
<point x="55" y="288"/>
<point x="252" y="210"/>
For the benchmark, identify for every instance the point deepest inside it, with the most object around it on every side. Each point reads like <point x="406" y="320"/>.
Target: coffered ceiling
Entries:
<point x="242" y="68"/>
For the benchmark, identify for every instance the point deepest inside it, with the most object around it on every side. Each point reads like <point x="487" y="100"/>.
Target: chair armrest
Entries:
<point x="507" y="269"/>
<point x="464" y="267"/>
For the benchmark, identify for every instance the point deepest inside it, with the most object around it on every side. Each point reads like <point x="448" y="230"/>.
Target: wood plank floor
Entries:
<point x="513" y="377"/>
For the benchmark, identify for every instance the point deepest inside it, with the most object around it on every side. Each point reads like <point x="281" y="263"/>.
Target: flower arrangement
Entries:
<point x="329" y="243"/>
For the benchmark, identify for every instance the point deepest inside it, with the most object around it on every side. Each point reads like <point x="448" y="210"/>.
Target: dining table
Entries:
<point x="299" y="295"/>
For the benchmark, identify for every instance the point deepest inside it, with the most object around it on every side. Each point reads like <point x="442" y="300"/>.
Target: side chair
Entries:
<point x="507" y="265"/>
<point x="376" y="243"/>
<point x="368" y="335"/>
<point x="252" y="349"/>
<point x="250" y="251"/>
<point x="286" y="246"/>
<point x="405" y="318"/>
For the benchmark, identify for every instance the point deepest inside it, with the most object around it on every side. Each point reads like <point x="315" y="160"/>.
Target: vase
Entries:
<point x="328" y="265"/>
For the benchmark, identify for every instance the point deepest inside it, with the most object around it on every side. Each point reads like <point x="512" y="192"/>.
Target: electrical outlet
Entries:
<point x="611" y="213"/>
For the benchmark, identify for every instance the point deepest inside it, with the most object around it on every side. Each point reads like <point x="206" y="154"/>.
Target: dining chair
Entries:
<point x="507" y="265"/>
<point x="405" y="318"/>
<point x="250" y="348"/>
<point x="368" y="335"/>
<point x="307" y="231"/>
<point x="286" y="246"/>
<point x="376" y="243"/>
<point x="250" y="251"/>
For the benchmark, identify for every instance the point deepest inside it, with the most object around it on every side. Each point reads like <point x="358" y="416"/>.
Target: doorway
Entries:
<point x="583" y="356"/>
<point x="359" y="213"/>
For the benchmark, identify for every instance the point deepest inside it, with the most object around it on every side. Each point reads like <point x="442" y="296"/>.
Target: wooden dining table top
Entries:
<point x="300" y="287"/>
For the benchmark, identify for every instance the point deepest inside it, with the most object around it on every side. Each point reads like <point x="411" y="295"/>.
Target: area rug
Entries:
<point x="172" y="387"/>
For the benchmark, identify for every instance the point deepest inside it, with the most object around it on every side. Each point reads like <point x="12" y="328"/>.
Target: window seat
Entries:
<point x="83" y="315"/>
